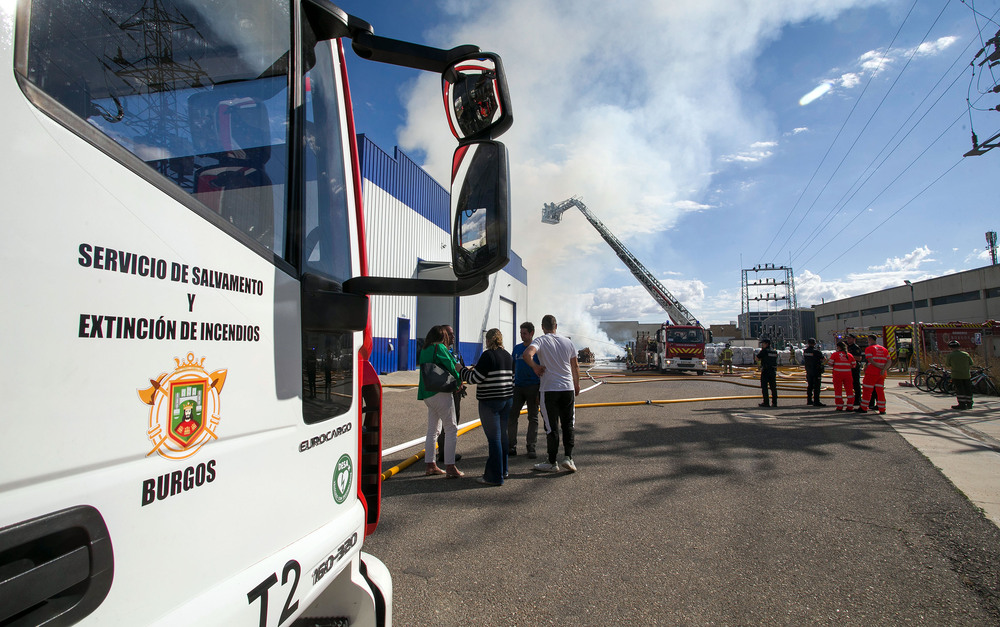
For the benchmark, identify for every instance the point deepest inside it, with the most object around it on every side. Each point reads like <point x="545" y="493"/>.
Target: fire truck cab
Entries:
<point x="681" y="347"/>
<point x="191" y="427"/>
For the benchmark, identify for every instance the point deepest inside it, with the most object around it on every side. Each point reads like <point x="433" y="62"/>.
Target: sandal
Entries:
<point x="454" y="473"/>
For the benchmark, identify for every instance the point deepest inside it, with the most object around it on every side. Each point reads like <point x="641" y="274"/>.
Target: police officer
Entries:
<point x="768" y="359"/>
<point x="813" y="360"/>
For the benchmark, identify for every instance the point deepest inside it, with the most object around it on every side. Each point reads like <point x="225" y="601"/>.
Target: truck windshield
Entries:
<point x="686" y="336"/>
<point x="198" y="89"/>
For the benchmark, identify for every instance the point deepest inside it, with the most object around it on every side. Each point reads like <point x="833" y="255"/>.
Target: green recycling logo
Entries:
<point x="343" y="475"/>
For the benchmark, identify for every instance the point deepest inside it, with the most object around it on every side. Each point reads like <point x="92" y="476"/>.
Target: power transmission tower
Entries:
<point x="781" y="324"/>
<point x="149" y="60"/>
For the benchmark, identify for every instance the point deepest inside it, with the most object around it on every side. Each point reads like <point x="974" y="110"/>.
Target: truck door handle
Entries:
<point x="59" y="565"/>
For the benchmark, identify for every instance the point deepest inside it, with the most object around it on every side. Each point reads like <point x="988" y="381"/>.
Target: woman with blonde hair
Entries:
<point x="440" y="406"/>
<point x="493" y="375"/>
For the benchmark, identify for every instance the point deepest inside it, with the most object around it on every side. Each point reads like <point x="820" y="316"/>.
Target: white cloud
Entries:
<point x="797" y="130"/>
<point x="633" y="302"/>
<point x="689" y="206"/>
<point x="817" y="93"/>
<point x="875" y="61"/>
<point x="910" y="261"/>
<point x="812" y="289"/>
<point x="930" y="48"/>
<point x="758" y="151"/>
<point x="849" y="80"/>
<point x="978" y="256"/>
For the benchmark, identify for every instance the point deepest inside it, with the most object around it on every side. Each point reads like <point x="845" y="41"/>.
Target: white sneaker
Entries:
<point x="546" y="467"/>
<point x="568" y="465"/>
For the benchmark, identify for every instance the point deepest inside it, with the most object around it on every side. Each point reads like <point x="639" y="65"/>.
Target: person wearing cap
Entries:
<point x="859" y="356"/>
<point x="877" y="358"/>
<point x="813" y="360"/>
<point x="960" y="364"/>
<point x="842" y="363"/>
<point x="768" y="358"/>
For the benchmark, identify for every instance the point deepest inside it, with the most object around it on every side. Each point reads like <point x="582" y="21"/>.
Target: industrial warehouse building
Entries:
<point x="777" y="325"/>
<point x="972" y="296"/>
<point x="408" y="235"/>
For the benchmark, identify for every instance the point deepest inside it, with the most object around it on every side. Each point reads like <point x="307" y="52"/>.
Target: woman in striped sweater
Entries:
<point x="493" y="375"/>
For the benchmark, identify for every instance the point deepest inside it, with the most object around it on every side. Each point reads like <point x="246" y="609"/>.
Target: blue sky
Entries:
<point x="682" y="126"/>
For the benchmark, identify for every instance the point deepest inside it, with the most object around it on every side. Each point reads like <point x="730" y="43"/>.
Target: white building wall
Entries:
<point x="394" y="252"/>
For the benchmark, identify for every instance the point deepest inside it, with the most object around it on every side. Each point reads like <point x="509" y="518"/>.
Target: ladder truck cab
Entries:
<point x="681" y="347"/>
<point x="191" y="427"/>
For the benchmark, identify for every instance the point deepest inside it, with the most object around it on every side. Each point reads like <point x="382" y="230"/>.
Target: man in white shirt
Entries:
<point x="560" y="376"/>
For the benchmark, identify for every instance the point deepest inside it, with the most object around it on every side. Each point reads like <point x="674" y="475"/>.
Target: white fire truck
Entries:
<point x="191" y="431"/>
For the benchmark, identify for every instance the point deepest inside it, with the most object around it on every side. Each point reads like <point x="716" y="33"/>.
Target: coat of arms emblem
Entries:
<point x="184" y="408"/>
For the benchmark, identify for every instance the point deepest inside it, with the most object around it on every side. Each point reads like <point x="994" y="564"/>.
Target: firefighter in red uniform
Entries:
<point x="842" y="363"/>
<point x="878" y="363"/>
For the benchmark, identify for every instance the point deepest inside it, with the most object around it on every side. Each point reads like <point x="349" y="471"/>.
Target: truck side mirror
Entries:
<point x="480" y="239"/>
<point x="475" y="97"/>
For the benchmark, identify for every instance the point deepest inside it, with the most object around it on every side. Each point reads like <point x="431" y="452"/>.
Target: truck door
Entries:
<point x="180" y="167"/>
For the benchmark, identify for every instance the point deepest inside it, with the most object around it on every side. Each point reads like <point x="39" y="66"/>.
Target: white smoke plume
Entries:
<point x="627" y="105"/>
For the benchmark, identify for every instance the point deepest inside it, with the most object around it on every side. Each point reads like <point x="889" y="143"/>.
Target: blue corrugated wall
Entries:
<point x="406" y="181"/>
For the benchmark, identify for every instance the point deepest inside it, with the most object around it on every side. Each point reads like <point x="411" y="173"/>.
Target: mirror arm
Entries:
<point x="326" y="307"/>
<point x="396" y="52"/>
<point x="333" y="22"/>
<point x="370" y="285"/>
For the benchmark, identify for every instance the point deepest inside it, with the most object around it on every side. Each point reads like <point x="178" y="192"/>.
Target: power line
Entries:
<point x="849" y="194"/>
<point x="885" y="189"/>
<point x="843" y="202"/>
<point x="891" y="216"/>
<point x="842" y="126"/>
<point x="863" y="129"/>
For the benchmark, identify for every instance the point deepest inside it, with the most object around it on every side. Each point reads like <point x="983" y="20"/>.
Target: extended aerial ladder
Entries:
<point x="552" y="214"/>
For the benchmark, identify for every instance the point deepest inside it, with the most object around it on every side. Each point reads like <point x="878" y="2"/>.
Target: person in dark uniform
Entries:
<point x="813" y="360"/>
<point x="859" y="357"/>
<point x="768" y="359"/>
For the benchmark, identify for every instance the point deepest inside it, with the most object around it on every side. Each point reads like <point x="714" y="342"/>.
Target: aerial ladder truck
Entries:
<point x="680" y="342"/>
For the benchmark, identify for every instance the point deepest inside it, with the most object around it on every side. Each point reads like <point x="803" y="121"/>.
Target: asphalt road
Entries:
<point x="707" y="513"/>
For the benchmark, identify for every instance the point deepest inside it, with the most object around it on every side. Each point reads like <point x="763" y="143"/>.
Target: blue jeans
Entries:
<point x="493" y="415"/>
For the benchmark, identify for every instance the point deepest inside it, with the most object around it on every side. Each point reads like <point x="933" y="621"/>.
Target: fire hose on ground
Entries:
<point x="603" y="380"/>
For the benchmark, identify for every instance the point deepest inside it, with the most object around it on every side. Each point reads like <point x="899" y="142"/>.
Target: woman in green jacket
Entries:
<point x="440" y="405"/>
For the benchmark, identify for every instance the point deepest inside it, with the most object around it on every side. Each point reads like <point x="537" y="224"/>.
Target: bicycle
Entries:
<point x="940" y="382"/>
<point x="982" y="383"/>
<point x="920" y="379"/>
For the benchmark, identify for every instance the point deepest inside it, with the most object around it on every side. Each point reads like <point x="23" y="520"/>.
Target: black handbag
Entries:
<point x="437" y="379"/>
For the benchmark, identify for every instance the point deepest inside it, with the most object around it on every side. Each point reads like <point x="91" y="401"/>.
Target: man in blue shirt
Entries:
<point x="525" y="389"/>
